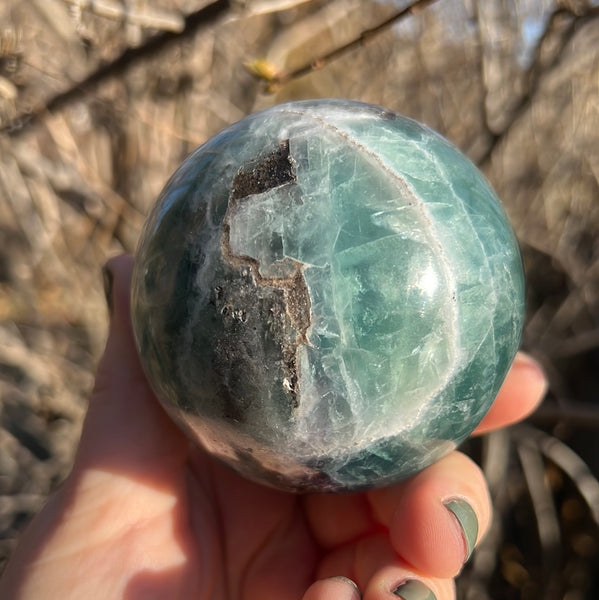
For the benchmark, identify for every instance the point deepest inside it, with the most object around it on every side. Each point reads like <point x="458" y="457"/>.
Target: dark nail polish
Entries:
<point x="467" y="520"/>
<point x="414" y="590"/>
<point x="108" y="280"/>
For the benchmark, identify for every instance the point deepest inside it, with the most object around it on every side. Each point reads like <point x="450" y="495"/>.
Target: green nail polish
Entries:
<point x="414" y="590"/>
<point x="468" y="522"/>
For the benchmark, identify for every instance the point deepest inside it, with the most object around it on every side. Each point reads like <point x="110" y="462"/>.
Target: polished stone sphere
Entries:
<point x="327" y="296"/>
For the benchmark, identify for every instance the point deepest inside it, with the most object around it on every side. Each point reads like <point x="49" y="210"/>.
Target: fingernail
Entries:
<point x="467" y="520"/>
<point x="108" y="280"/>
<point x="414" y="590"/>
<point x="353" y="584"/>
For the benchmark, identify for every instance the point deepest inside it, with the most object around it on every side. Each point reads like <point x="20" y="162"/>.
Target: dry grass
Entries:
<point x="100" y="101"/>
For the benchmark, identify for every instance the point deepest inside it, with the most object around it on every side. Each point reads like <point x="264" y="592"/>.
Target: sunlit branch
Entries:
<point x="265" y="71"/>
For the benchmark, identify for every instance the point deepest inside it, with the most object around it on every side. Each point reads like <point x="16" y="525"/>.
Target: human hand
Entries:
<point x="144" y="514"/>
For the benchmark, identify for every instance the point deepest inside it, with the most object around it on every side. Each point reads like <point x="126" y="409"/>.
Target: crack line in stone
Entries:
<point x="424" y="215"/>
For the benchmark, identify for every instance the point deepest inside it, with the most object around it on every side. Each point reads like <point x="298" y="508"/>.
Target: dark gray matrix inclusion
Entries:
<point x="327" y="296"/>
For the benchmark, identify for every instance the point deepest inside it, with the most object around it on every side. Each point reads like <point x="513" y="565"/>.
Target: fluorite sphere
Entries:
<point x="327" y="296"/>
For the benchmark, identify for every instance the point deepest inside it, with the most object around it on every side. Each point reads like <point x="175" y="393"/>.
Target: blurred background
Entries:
<point x="100" y="100"/>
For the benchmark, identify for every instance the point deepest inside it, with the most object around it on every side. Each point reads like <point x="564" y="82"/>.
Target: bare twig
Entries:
<point x="539" y="66"/>
<point x="148" y="17"/>
<point x="495" y="463"/>
<point x="119" y="207"/>
<point x="263" y="7"/>
<point x="583" y="342"/>
<point x="546" y="515"/>
<point x="574" y="413"/>
<point x="277" y="79"/>
<point x="203" y="18"/>
<point x="569" y="462"/>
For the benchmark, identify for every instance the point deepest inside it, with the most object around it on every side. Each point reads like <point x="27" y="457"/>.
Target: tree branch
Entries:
<point x="203" y="18"/>
<point x="537" y="69"/>
<point x="278" y="79"/>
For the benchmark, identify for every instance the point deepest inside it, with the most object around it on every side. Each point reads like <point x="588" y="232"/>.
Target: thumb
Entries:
<point x="125" y="423"/>
<point x="130" y="460"/>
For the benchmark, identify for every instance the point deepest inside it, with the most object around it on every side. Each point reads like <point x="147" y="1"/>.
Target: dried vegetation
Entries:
<point x="101" y="99"/>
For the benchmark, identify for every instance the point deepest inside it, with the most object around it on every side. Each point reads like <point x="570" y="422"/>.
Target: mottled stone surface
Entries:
<point x="327" y="296"/>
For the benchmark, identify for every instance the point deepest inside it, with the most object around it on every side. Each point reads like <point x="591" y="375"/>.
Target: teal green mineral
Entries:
<point x="327" y="296"/>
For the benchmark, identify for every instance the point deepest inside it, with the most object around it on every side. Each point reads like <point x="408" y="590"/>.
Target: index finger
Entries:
<point x="520" y="394"/>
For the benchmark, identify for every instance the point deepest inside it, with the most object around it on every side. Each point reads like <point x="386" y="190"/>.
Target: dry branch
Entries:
<point x="147" y="18"/>
<point x="203" y="18"/>
<point x="275" y="79"/>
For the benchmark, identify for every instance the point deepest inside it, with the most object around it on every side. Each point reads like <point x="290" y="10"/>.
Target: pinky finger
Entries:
<point x="333" y="588"/>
